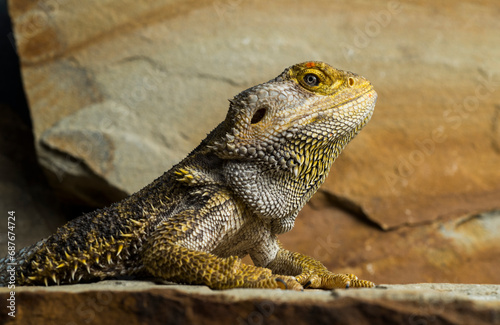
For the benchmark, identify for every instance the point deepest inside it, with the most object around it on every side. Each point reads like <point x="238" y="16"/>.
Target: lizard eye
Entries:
<point x="311" y="80"/>
<point x="258" y="115"/>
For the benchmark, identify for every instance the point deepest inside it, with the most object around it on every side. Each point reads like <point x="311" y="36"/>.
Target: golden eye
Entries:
<point x="311" y="80"/>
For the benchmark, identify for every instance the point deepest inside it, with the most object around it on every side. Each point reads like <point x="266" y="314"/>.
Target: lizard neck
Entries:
<point x="275" y="194"/>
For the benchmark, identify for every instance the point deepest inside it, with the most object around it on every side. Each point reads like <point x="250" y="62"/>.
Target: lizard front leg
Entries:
<point x="167" y="260"/>
<point x="312" y="273"/>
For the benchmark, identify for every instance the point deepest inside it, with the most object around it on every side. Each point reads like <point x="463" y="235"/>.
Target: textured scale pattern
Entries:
<point x="230" y="197"/>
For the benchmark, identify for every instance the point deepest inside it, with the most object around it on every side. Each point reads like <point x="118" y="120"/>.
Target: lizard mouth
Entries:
<point x="367" y="94"/>
<point x="372" y="95"/>
<point x="361" y="116"/>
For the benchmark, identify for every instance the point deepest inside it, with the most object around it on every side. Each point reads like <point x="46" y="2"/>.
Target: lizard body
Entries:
<point x="244" y="184"/>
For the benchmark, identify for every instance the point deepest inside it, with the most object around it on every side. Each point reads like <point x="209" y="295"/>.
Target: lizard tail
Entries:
<point x="12" y="264"/>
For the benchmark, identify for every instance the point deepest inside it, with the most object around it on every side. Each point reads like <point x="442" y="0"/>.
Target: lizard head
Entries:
<point x="292" y="128"/>
<point x="310" y="107"/>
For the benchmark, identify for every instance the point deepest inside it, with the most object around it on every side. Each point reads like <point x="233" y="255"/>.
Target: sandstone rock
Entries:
<point x="128" y="302"/>
<point x="462" y="250"/>
<point x="140" y="89"/>
<point x="121" y="90"/>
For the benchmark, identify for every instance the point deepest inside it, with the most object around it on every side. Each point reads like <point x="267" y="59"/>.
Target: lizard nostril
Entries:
<point x="258" y="115"/>
<point x="351" y="81"/>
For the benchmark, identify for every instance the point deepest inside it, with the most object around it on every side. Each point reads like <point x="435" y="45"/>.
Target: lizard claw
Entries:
<point x="289" y="283"/>
<point x="281" y="284"/>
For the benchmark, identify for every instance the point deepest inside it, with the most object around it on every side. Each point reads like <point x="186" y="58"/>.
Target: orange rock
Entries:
<point x="461" y="250"/>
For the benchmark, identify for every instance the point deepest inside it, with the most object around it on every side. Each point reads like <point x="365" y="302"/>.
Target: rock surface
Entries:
<point x="118" y="95"/>
<point x="461" y="250"/>
<point x="121" y="90"/>
<point x="129" y="302"/>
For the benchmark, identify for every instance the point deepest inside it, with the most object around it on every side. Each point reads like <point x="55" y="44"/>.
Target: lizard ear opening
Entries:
<point x="258" y="115"/>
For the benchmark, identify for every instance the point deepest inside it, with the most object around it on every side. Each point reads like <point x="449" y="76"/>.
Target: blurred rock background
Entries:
<point x="119" y="91"/>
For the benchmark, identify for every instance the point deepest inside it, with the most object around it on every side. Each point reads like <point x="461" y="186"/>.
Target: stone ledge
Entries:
<point x="136" y="302"/>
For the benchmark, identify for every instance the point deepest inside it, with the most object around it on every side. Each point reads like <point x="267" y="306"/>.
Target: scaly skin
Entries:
<point x="231" y="196"/>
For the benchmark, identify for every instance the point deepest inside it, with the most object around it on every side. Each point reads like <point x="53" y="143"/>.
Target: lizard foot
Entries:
<point x="329" y="280"/>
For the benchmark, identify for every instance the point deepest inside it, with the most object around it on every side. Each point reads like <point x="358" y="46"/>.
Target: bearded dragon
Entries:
<point x="230" y="197"/>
